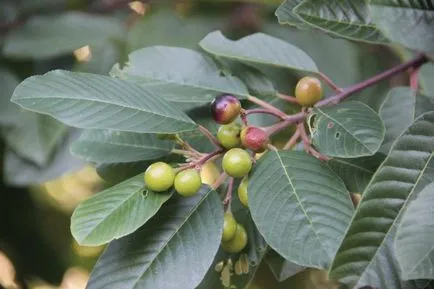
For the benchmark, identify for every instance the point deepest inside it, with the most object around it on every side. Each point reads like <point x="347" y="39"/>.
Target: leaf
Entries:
<point x="414" y="247"/>
<point x="257" y="82"/>
<point x="285" y="14"/>
<point x="114" y="173"/>
<point x="178" y="75"/>
<point x="347" y="130"/>
<point x="115" y="212"/>
<point x="22" y="173"/>
<point x="258" y="49"/>
<point x="409" y="23"/>
<point x="8" y="110"/>
<point x="107" y="146"/>
<point x="102" y="58"/>
<point x="382" y="202"/>
<point x="34" y="136"/>
<point x="356" y="173"/>
<point x="94" y="101"/>
<point x="300" y="206"/>
<point x="282" y="269"/>
<point x="426" y="73"/>
<point x="343" y="18"/>
<point x="45" y="36"/>
<point x="394" y="117"/>
<point x="172" y="251"/>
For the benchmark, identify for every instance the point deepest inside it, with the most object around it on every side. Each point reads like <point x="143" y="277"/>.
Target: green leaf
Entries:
<point x="356" y="173"/>
<point x="409" y="23"/>
<point x="49" y="36"/>
<point x="285" y="14"/>
<point x="259" y="49"/>
<point x="343" y="18"/>
<point x="257" y="82"/>
<point x="282" y="269"/>
<point x="102" y="59"/>
<point x="347" y="130"/>
<point x="414" y="248"/>
<point x="21" y="172"/>
<point x="426" y="74"/>
<point x="34" y="136"/>
<point x="107" y="146"/>
<point x="94" y="101"/>
<point x="8" y="110"/>
<point x="300" y="206"/>
<point x="114" y="173"/>
<point x="171" y="251"/>
<point x="115" y="212"/>
<point x="394" y="117"/>
<point x="178" y="75"/>
<point x="360" y="253"/>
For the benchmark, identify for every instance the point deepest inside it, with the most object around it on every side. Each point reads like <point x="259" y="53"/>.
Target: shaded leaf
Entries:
<point x="95" y="101"/>
<point x="382" y="203"/>
<point x="299" y="216"/>
<point x="285" y="14"/>
<point x="259" y="49"/>
<point x="8" y="110"/>
<point x="107" y="146"/>
<point x="347" y="130"/>
<point x="343" y="18"/>
<point x="409" y="23"/>
<point x="45" y="36"/>
<point x="163" y="252"/>
<point x="282" y="269"/>
<point x="115" y="212"/>
<point x="114" y="173"/>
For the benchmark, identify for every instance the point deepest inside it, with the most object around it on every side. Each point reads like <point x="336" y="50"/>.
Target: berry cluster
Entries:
<point x="238" y="143"/>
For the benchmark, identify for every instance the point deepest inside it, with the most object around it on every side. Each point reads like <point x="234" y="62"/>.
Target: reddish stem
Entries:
<point x="413" y="63"/>
<point x="228" y="198"/>
<point x="267" y="106"/>
<point x="210" y="136"/>
<point x="262" y="110"/>
<point x="288" y="98"/>
<point x="414" y="78"/>
<point x="292" y="141"/>
<point x="290" y="119"/>
<point x="200" y="162"/>
<point x="330" y="82"/>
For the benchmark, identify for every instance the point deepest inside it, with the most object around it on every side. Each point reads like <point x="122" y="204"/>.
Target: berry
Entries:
<point x="254" y="138"/>
<point x="308" y="91"/>
<point x="225" y="108"/>
<point x="242" y="192"/>
<point x="237" y="163"/>
<point x="229" y="227"/>
<point x="229" y="135"/>
<point x="159" y="177"/>
<point x="188" y="182"/>
<point x="238" y="243"/>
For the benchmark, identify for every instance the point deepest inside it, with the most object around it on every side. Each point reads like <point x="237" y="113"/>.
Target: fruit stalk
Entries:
<point x="288" y="98"/>
<point x="289" y="119"/>
<point x="330" y="82"/>
<point x="414" y="63"/>
<point x="210" y="136"/>
<point x="261" y="110"/>
<point x="267" y="106"/>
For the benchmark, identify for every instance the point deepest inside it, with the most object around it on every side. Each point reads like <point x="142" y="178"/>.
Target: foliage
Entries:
<point x="153" y="105"/>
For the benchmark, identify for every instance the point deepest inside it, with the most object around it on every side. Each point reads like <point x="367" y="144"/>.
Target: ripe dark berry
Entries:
<point x="242" y="192"/>
<point x="237" y="243"/>
<point x="229" y="135"/>
<point x="254" y="138"/>
<point x="159" y="177"/>
<point x="308" y="91"/>
<point x="188" y="182"/>
<point x="237" y="163"/>
<point x="229" y="227"/>
<point x="225" y="108"/>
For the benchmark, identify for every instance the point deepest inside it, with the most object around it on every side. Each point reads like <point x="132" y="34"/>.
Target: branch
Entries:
<point x="290" y="119"/>
<point x="413" y="63"/>
<point x="261" y="110"/>
<point x="210" y="136"/>
<point x="267" y="106"/>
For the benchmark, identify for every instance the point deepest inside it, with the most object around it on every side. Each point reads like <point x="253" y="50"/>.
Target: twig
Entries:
<point x="290" y="119"/>
<point x="413" y="63"/>
<point x="261" y="110"/>
<point x="228" y="198"/>
<point x="219" y="181"/>
<point x="288" y="98"/>
<point x="330" y="82"/>
<point x="210" y="136"/>
<point x="307" y="143"/>
<point x="293" y="140"/>
<point x="267" y="106"/>
<point x="200" y="162"/>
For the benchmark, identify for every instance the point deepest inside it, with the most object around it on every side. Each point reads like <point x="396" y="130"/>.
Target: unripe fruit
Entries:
<point x="159" y="177"/>
<point x="188" y="182"/>
<point x="229" y="227"/>
<point x="238" y="243"/>
<point x="237" y="163"/>
<point x="308" y="91"/>
<point x="225" y="108"/>
<point x="254" y="138"/>
<point x="229" y="135"/>
<point x="242" y="192"/>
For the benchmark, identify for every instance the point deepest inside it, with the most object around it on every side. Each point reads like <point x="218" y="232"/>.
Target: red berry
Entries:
<point x="225" y="108"/>
<point x="254" y="138"/>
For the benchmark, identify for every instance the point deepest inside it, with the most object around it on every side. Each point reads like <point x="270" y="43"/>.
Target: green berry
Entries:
<point x="308" y="91"/>
<point x="229" y="135"/>
<point x="229" y="227"/>
<point x="159" y="177"/>
<point x="188" y="182"/>
<point x="238" y="243"/>
<point x="242" y="191"/>
<point x="237" y="163"/>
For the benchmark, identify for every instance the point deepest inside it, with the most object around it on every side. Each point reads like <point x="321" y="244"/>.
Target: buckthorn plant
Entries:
<point x="253" y="151"/>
